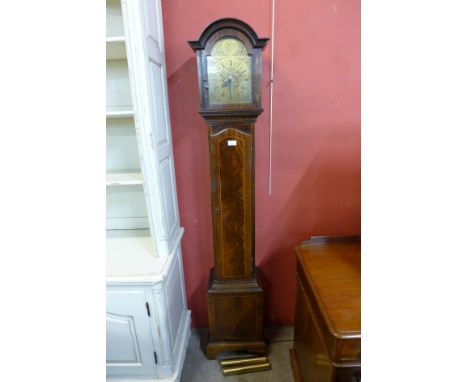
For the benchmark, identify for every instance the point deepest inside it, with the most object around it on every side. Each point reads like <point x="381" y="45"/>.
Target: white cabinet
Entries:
<point x="148" y="324"/>
<point x="147" y="317"/>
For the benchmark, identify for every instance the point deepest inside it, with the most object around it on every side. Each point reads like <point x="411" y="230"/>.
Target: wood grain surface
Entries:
<point x="327" y="332"/>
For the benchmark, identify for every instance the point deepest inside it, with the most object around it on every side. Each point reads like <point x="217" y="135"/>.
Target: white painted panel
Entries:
<point x="114" y="21"/>
<point x="168" y="195"/>
<point x="121" y="340"/>
<point x="130" y="306"/>
<point x="152" y="21"/>
<point x="153" y="31"/>
<point x="121" y="146"/>
<point x="175" y="300"/>
<point x="158" y="107"/>
<point x="165" y="350"/>
<point x="117" y="85"/>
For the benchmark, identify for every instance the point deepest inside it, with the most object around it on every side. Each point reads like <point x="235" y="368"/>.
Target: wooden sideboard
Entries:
<point x="327" y="329"/>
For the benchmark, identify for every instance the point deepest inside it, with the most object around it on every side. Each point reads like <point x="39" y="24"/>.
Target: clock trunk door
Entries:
<point x="232" y="174"/>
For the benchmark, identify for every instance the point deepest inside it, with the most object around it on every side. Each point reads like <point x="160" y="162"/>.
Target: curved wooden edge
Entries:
<point x="233" y="23"/>
<point x="314" y="295"/>
<point x="333" y="239"/>
<point x="295" y="366"/>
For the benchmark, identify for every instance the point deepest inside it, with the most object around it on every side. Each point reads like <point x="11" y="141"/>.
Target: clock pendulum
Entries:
<point x="229" y="59"/>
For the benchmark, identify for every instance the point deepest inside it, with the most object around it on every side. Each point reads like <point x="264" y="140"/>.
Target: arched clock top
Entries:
<point x="226" y="24"/>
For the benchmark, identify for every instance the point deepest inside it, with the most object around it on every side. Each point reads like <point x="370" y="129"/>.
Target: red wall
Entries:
<point x="316" y="139"/>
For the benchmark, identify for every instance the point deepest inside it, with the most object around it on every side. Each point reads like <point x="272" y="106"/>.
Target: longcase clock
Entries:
<point x="229" y="57"/>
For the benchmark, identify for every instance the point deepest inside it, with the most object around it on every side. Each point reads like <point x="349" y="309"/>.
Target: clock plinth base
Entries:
<point x="215" y="348"/>
<point x="235" y="315"/>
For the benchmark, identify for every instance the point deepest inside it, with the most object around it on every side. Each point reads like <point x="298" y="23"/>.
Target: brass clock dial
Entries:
<point x="229" y="73"/>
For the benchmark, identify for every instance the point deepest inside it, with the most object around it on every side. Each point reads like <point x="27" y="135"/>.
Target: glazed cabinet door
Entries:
<point x="129" y="344"/>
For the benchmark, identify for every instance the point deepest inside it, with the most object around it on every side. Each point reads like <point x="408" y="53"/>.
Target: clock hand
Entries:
<point x="228" y="84"/>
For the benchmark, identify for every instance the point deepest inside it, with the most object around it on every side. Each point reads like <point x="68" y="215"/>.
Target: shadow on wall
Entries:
<point x="325" y="190"/>
<point x="189" y="134"/>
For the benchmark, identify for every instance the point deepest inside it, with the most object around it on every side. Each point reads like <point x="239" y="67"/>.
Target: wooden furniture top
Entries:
<point x="331" y="270"/>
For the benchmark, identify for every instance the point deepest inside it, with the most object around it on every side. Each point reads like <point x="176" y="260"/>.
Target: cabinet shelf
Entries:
<point x="115" y="48"/>
<point x="124" y="178"/>
<point x="115" y="39"/>
<point x="119" y="112"/>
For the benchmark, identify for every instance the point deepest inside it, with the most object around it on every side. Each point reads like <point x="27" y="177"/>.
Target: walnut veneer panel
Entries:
<point x="232" y="174"/>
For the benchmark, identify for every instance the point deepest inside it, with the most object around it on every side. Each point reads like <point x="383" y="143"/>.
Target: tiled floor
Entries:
<point x="199" y="369"/>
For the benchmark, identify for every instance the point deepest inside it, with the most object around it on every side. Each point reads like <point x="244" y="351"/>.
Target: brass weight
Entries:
<point x="243" y="361"/>
<point x="246" y="368"/>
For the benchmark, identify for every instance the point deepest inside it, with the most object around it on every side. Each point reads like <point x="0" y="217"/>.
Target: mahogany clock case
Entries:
<point x="235" y="298"/>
